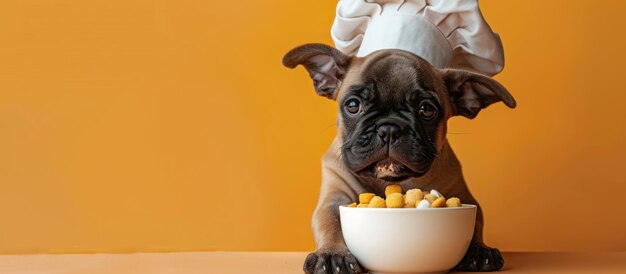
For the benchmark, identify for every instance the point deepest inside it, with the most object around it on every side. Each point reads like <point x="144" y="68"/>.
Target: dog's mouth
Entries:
<point x="389" y="170"/>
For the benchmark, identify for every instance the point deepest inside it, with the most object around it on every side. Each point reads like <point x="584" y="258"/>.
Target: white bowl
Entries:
<point x="408" y="240"/>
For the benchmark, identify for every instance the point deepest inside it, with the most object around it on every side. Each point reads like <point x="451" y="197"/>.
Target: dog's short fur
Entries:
<point x="392" y="122"/>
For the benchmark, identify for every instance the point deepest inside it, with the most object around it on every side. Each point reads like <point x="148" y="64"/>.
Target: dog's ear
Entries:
<point x="326" y="65"/>
<point x="470" y="92"/>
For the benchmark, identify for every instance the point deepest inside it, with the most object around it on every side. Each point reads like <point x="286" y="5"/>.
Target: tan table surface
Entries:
<point x="274" y="263"/>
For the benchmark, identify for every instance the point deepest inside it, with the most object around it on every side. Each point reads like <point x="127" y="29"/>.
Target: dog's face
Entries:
<point x="393" y="106"/>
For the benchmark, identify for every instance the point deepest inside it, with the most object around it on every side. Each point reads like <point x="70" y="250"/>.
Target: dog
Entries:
<point x="391" y="128"/>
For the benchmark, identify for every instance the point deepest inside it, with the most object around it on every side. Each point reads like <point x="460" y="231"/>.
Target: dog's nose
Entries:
<point x="389" y="133"/>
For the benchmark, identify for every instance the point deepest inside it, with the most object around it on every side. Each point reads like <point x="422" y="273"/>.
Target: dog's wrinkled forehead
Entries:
<point x="392" y="73"/>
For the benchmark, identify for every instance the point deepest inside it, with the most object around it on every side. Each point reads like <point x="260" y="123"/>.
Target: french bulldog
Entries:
<point x="391" y="128"/>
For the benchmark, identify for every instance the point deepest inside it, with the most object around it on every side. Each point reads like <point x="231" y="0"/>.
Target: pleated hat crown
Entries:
<point x="447" y="33"/>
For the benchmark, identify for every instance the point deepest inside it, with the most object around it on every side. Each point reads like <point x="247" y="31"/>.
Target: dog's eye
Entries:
<point x="427" y="110"/>
<point x="353" y="106"/>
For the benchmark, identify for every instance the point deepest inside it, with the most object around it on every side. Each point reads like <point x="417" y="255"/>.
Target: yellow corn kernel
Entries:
<point x="453" y="202"/>
<point x="352" y="205"/>
<point x="377" y="202"/>
<point x="361" y="205"/>
<point x="364" y="198"/>
<point x="413" y="196"/>
<point x="430" y="197"/>
<point x="393" y="188"/>
<point x="439" y="202"/>
<point x="394" y="200"/>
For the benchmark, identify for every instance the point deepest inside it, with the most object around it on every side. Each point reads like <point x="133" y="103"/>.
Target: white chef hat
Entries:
<point x="447" y="33"/>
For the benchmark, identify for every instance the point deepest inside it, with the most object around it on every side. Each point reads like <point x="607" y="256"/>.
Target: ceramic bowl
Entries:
<point x="408" y="240"/>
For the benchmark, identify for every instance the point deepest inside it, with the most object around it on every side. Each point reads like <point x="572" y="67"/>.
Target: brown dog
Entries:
<point x="392" y="122"/>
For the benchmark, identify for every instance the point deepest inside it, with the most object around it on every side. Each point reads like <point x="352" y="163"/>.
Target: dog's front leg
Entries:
<point x="339" y="187"/>
<point x="332" y="255"/>
<point x="479" y="256"/>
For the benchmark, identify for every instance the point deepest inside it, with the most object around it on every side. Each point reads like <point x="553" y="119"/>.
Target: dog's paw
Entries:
<point x="481" y="258"/>
<point x="331" y="262"/>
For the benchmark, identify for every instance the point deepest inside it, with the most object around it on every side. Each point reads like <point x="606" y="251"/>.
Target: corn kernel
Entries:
<point x="453" y="202"/>
<point x="364" y="198"/>
<point x="413" y="196"/>
<point x="377" y="202"/>
<point x="393" y="188"/>
<point x="430" y="197"/>
<point x="440" y="202"/>
<point x="394" y="200"/>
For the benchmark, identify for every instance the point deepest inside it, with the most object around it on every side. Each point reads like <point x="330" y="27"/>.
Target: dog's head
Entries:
<point x="393" y="105"/>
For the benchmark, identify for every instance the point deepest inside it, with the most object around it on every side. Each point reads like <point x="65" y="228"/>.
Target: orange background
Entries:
<point x="171" y="125"/>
